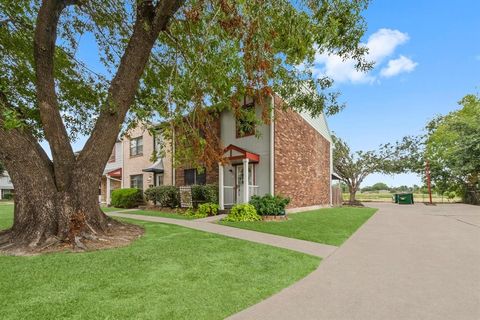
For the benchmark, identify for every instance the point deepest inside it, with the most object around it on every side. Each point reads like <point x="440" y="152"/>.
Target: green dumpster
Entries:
<point x="405" y="198"/>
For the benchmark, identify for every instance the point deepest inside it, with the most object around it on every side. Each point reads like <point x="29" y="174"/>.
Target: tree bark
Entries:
<point x="352" y="199"/>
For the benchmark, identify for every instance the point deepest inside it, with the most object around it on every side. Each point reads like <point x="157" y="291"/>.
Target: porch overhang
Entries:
<point x="116" y="173"/>
<point x="234" y="153"/>
<point x="157" y="167"/>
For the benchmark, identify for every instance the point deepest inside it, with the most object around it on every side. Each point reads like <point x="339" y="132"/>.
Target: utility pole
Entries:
<point x="429" y="184"/>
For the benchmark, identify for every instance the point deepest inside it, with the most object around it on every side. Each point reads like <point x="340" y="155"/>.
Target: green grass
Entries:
<point x="170" y="273"/>
<point x="153" y="213"/>
<point x="160" y="214"/>
<point x="387" y="197"/>
<point x="330" y="226"/>
<point x="6" y="215"/>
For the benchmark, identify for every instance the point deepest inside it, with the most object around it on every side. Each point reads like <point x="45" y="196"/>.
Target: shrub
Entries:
<point x="208" y="209"/>
<point x="8" y="196"/>
<point x="243" y="212"/>
<point x="270" y="205"/>
<point x="204" y="194"/>
<point x="164" y="196"/>
<point x="127" y="198"/>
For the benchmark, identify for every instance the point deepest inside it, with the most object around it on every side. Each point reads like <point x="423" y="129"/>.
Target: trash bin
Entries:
<point x="405" y="198"/>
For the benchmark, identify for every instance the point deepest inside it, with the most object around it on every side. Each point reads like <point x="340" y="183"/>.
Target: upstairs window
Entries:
<point x="136" y="147"/>
<point x="245" y="124"/>
<point x="194" y="176"/>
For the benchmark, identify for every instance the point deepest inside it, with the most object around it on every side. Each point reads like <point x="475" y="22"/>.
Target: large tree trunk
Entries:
<point x="48" y="219"/>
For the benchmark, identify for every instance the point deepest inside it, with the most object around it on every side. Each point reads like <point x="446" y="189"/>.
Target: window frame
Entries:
<point x="198" y="178"/>
<point x="138" y="150"/>
<point x="132" y="177"/>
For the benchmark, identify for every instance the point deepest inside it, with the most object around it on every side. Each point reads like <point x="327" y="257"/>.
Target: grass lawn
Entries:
<point x="330" y="226"/>
<point x="160" y="214"/>
<point x="153" y="213"/>
<point x="170" y="273"/>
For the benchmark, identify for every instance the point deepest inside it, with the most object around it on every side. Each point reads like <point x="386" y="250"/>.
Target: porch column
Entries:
<point x="108" y="190"/>
<point x="221" y="190"/>
<point x="245" y="181"/>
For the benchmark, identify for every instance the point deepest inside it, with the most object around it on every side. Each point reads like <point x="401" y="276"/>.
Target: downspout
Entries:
<point x="331" y="173"/>
<point x="173" y="156"/>
<point x="272" y="146"/>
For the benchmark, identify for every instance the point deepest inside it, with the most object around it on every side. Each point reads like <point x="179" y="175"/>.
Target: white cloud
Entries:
<point x="381" y="45"/>
<point x="397" y="66"/>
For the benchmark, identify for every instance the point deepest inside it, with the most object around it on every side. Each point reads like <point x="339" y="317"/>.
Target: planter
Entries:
<point x="275" y="218"/>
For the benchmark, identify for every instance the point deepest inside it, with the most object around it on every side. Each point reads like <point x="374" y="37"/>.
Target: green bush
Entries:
<point x="164" y="196"/>
<point x="127" y="198"/>
<point x="243" y="212"/>
<point x="270" y="205"/>
<point x="204" y="194"/>
<point x="8" y="196"/>
<point x="208" y="209"/>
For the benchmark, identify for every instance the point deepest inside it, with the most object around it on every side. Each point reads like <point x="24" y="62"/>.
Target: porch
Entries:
<point x="237" y="179"/>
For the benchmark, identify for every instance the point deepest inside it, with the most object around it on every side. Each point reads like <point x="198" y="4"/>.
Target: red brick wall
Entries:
<point x="302" y="161"/>
<point x="211" y="173"/>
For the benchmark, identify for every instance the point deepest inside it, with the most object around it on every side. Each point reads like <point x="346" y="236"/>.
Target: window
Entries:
<point x="112" y="156"/>
<point x="194" y="176"/>
<point x="136" y="181"/>
<point x="136" y="147"/>
<point x="245" y="124"/>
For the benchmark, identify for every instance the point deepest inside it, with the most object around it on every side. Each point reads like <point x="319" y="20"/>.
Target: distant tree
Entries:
<point x="2" y="168"/>
<point x="354" y="167"/>
<point x="451" y="145"/>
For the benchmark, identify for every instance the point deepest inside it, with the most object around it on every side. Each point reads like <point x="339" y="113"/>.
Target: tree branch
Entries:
<point x="150" y="21"/>
<point x="44" y="50"/>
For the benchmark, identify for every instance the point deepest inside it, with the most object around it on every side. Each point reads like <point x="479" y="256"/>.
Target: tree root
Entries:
<point x="119" y="234"/>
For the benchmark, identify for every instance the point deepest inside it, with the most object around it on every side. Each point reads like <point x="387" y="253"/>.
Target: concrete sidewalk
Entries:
<point x="406" y="262"/>
<point x="312" y="248"/>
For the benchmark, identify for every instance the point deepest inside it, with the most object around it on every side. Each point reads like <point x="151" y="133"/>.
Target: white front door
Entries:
<point x="239" y="177"/>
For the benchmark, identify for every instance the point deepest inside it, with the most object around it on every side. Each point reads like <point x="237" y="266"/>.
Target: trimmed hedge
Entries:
<point x="243" y="212"/>
<point x="164" y="196"/>
<point x="127" y="198"/>
<point x="270" y="205"/>
<point x="204" y="194"/>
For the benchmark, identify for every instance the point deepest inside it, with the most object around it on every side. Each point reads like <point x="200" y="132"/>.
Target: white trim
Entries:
<point x="309" y="208"/>
<point x="272" y="147"/>
<point x="221" y="197"/>
<point x="246" y="197"/>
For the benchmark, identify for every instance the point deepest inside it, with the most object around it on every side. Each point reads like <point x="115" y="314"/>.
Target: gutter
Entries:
<point x="272" y="146"/>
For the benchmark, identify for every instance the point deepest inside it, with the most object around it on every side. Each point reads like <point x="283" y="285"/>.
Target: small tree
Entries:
<point x="353" y="168"/>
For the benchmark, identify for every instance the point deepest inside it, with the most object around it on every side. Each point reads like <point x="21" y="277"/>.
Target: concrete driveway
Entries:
<point x="406" y="262"/>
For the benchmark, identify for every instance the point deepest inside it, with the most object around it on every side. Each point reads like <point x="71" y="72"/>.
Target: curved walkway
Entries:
<point x="312" y="248"/>
<point x="406" y="262"/>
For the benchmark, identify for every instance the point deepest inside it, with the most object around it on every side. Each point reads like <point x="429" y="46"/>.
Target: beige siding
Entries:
<point x="134" y="165"/>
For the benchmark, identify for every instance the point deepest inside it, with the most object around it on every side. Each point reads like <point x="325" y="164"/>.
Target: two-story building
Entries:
<point x="290" y="156"/>
<point x="137" y="161"/>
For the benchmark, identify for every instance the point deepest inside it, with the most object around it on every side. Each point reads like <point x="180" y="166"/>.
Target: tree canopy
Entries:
<point x="211" y="55"/>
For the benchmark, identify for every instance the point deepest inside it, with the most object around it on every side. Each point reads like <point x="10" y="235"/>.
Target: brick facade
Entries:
<point x="302" y="161"/>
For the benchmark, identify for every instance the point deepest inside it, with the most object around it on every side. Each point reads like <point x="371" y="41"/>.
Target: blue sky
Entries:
<point x="441" y="41"/>
<point x="428" y="57"/>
